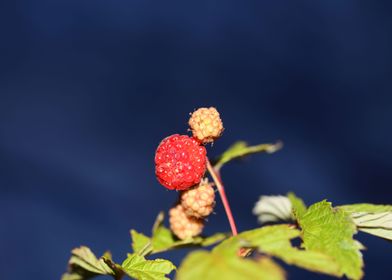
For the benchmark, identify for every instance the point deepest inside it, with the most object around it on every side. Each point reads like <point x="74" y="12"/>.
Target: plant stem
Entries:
<point x="219" y="185"/>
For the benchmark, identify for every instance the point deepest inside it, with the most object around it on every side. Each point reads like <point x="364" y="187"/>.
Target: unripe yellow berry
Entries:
<point x="182" y="226"/>
<point x="199" y="201"/>
<point x="206" y="124"/>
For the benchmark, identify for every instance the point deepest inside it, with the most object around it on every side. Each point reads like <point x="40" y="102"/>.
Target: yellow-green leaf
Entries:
<point x="83" y="264"/>
<point x="298" y="206"/>
<point x="241" y="149"/>
<point x="139" y="268"/>
<point x="330" y="231"/>
<point x="276" y="241"/>
<point x="366" y="207"/>
<point x="212" y="266"/>
<point x="140" y="242"/>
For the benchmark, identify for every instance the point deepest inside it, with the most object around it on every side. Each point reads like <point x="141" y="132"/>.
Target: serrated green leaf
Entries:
<point x="276" y="241"/>
<point x="270" y="238"/>
<point x="139" y="268"/>
<point x="330" y="231"/>
<point x="241" y="149"/>
<point x="84" y="258"/>
<point x="298" y="206"/>
<point x="140" y="242"/>
<point x="162" y="239"/>
<point x="83" y="264"/>
<point x="366" y="207"/>
<point x="211" y="266"/>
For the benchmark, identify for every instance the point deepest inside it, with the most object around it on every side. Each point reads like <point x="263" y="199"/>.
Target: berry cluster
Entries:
<point x="180" y="164"/>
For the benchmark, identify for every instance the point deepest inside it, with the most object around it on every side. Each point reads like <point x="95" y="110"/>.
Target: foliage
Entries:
<point x="324" y="234"/>
<point x="241" y="149"/>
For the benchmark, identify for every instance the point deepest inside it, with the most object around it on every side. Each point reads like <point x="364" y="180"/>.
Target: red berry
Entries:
<point x="180" y="162"/>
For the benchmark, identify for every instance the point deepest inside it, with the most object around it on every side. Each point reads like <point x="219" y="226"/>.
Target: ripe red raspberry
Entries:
<point x="182" y="226"/>
<point x="206" y="124"/>
<point x="180" y="162"/>
<point x="199" y="202"/>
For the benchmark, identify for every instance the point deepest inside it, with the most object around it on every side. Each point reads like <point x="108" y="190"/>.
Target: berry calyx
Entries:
<point x="183" y="226"/>
<point x="180" y="162"/>
<point x="206" y="124"/>
<point x="199" y="201"/>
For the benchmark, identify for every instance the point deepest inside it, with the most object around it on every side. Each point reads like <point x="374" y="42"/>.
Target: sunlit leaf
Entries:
<point x="298" y="206"/>
<point x="83" y="264"/>
<point x="366" y="207"/>
<point x="212" y="266"/>
<point x="140" y="242"/>
<point x="241" y="149"/>
<point x="276" y="241"/>
<point x="330" y="231"/>
<point x="139" y="268"/>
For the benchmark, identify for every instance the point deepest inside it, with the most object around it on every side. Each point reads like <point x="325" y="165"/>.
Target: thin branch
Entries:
<point x="218" y="182"/>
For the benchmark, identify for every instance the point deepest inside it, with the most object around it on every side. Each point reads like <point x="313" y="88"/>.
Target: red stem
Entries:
<point x="219" y="185"/>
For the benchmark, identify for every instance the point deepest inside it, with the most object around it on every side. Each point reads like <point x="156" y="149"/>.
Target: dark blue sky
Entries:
<point x="89" y="88"/>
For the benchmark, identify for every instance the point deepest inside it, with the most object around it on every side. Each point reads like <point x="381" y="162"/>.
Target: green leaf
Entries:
<point x="366" y="207"/>
<point x="276" y="241"/>
<point x="162" y="239"/>
<point x="139" y="268"/>
<point x="241" y="149"/>
<point x="211" y="266"/>
<point x="140" y="242"/>
<point x="83" y="264"/>
<point x="330" y="231"/>
<point x="299" y="207"/>
<point x="213" y="239"/>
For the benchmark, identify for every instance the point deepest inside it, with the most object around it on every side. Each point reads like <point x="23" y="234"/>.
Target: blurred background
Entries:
<point x="89" y="88"/>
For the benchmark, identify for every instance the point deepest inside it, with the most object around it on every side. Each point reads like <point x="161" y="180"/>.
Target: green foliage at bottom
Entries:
<point x="214" y="265"/>
<point x="324" y="234"/>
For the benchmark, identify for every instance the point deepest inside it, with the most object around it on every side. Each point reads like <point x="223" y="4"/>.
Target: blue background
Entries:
<point x="89" y="88"/>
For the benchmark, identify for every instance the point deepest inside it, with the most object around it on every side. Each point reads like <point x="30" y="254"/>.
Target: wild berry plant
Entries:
<point x="326" y="232"/>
